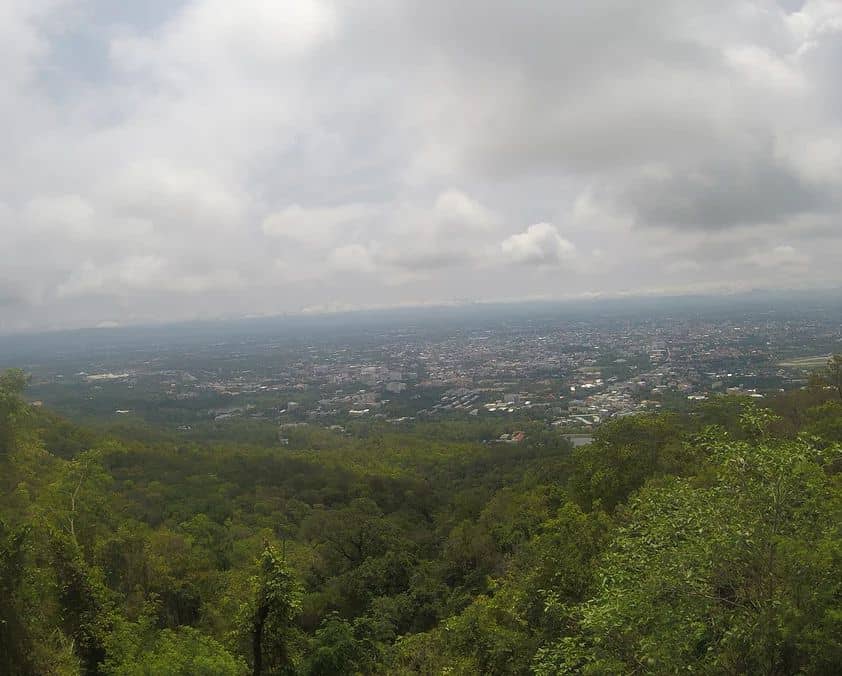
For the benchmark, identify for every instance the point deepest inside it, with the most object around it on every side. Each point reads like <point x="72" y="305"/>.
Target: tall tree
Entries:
<point x="15" y="640"/>
<point x="12" y="407"/>
<point x="277" y="605"/>
<point x="86" y="603"/>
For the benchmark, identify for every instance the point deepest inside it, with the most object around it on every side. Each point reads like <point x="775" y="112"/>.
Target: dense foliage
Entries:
<point x="706" y="542"/>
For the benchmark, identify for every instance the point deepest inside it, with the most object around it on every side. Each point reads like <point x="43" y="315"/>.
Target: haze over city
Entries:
<point x="197" y="159"/>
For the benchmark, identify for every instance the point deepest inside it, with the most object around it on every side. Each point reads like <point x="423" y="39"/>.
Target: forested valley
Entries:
<point x="705" y="542"/>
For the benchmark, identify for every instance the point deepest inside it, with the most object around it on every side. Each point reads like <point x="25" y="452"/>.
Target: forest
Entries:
<point x="706" y="541"/>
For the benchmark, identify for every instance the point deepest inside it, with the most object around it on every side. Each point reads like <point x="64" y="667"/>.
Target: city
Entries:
<point x="569" y="372"/>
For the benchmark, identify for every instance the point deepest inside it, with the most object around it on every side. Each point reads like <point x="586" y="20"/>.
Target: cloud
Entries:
<point x="64" y="215"/>
<point x="454" y="209"/>
<point x="539" y="244"/>
<point x="403" y="241"/>
<point x="163" y="160"/>
<point x="782" y="256"/>
<point x="315" y="226"/>
<point x="352" y="258"/>
<point x="143" y="274"/>
<point x="747" y="192"/>
<point x="134" y="272"/>
<point x="207" y="33"/>
<point x="685" y="121"/>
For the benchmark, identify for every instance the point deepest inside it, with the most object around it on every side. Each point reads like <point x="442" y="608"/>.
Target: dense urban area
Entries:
<point x="571" y="372"/>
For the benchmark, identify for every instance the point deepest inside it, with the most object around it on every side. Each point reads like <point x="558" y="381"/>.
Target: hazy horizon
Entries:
<point x="427" y="316"/>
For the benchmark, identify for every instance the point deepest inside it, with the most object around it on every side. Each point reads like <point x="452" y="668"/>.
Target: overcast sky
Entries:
<point x="202" y="158"/>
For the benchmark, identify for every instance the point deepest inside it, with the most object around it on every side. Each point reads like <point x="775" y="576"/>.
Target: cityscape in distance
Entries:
<point x="569" y="367"/>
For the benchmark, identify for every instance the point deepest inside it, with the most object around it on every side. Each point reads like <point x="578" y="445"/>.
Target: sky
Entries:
<point x="184" y="159"/>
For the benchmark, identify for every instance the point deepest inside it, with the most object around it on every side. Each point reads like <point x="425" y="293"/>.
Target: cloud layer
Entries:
<point x="204" y="158"/>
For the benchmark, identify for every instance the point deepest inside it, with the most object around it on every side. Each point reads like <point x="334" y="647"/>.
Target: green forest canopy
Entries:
<point x="707" y="542"/>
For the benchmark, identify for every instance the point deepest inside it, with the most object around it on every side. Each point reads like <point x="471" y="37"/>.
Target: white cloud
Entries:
<point x="143" y="274"/>
<point x="62" y="215"/>
<point x="134" y="272"/>
<point x="210" y="33"/>
<point x="762" y="67"/>
<point x="318" y="226"/>
<point x="454" y="209"/>
<point x="539" y="244"/>
<point x="782" y="256"/>
<point x="353" y="258"/>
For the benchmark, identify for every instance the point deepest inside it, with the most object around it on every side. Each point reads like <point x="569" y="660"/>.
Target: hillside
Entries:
<point x="707" y="541"/>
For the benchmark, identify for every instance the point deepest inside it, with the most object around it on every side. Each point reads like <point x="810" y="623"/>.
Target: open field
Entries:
<point x="805" y="362"/>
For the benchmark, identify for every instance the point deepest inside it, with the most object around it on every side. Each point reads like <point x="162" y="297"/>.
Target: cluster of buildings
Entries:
<point x="575" y="374"/>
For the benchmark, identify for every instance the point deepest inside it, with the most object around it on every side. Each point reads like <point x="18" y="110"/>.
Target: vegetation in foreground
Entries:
<point x="701" y="543"/>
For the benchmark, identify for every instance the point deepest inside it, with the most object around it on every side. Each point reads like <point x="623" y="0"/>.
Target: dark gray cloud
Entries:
<point x="749" y="191"/>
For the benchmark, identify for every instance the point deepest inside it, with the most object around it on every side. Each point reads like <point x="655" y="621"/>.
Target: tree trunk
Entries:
<point x="257" y="639"/>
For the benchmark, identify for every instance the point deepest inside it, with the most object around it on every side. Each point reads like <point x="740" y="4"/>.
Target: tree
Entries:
<point x="15" y="639"/>
<point x="78" y="499"/>
<point x="335" y="649"/>
<point x="499" y="632"/>
<point x="138" y="649"/>
<point x="741" y="576"/>
<point x="346" y="537"/>
<point x="277" y="604"/>
<point x="12" y="407"/>
<point x="626" y="453"/>
<point x="86" y="603"/>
